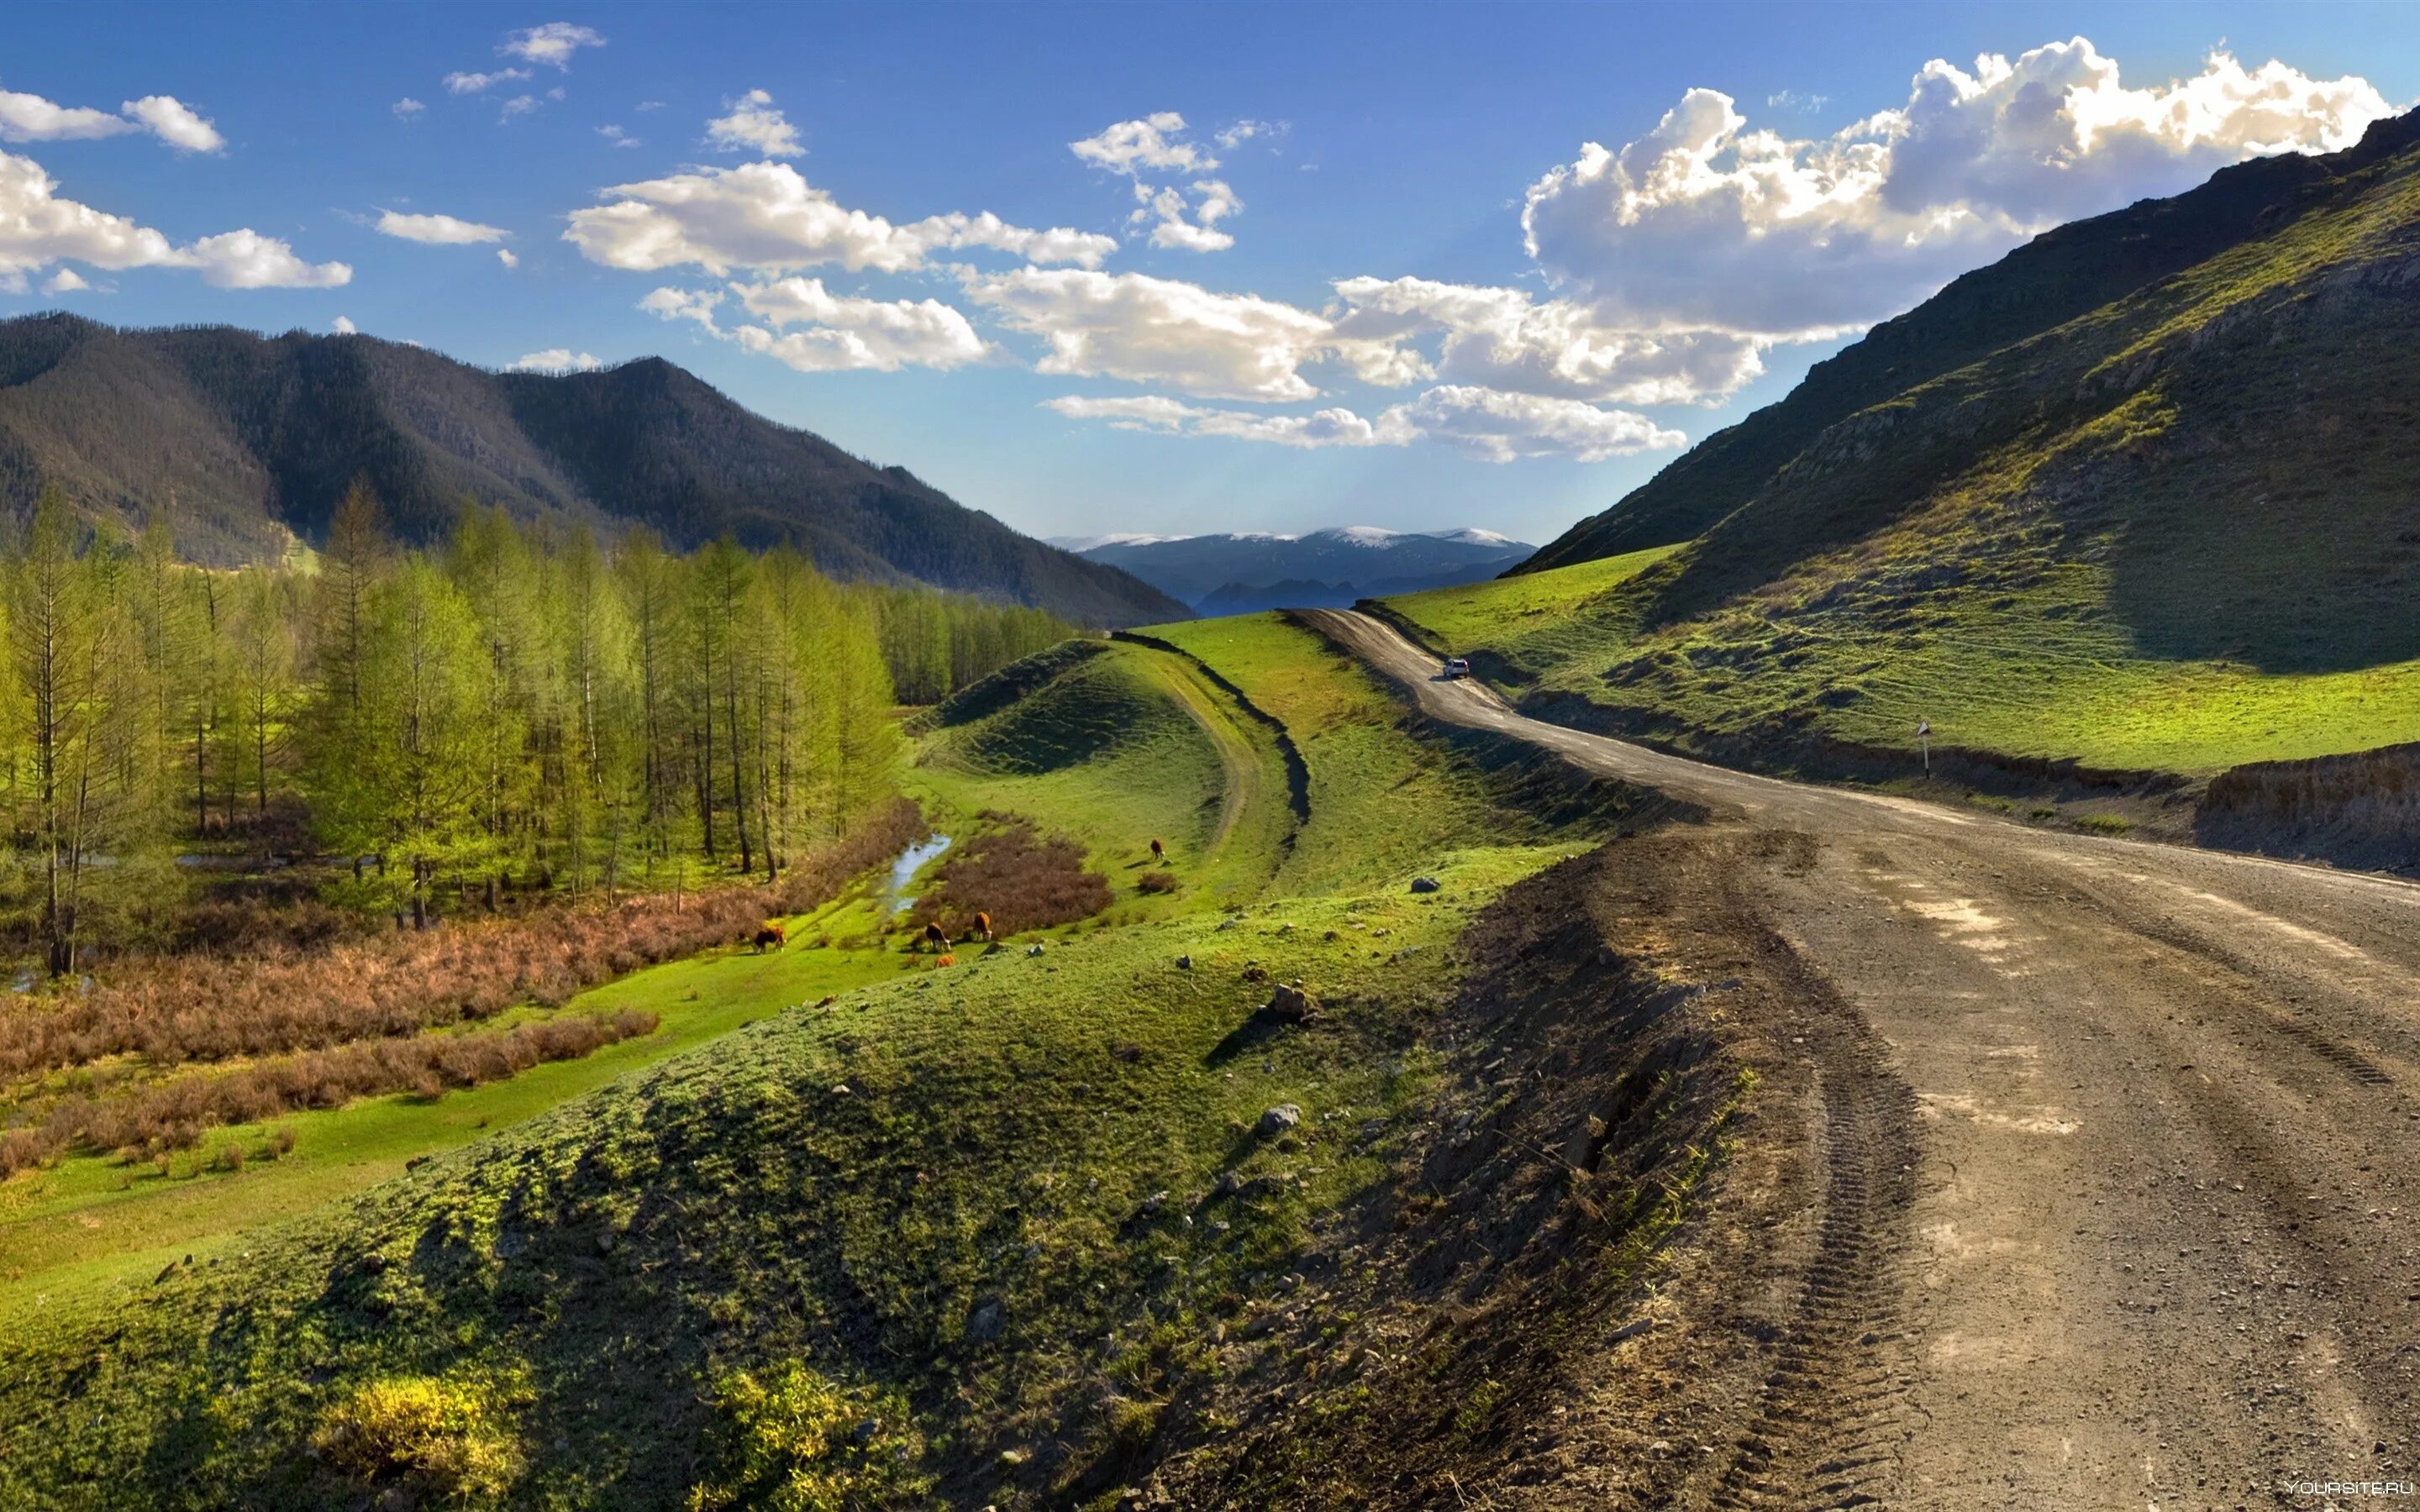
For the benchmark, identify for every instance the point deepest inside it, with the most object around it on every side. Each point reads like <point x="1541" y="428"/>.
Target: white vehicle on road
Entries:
<point x="1456" y="667"/>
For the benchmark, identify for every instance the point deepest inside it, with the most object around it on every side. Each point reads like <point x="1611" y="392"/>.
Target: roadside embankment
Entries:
<point x="2362" y="809"/>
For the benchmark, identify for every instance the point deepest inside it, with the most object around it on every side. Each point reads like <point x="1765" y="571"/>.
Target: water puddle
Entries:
<point x="904" y="870"/>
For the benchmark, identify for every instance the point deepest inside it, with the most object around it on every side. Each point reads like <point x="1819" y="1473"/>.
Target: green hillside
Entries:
<point x="990" y="1233"/>
<point x="2174" y="529"/>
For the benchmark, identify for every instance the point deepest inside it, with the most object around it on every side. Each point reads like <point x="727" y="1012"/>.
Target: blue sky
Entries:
<point x="1375" y="344"/>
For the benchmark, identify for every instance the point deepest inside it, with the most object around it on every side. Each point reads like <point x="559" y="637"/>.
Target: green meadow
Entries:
<point x="954" y="1205"/>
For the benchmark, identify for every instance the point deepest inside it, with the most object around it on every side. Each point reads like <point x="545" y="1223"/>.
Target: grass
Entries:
<point x="1520" y="615"/>
<point x="1122" y="747"/>
<point x="1382" y="802"/>
<point x="1003" y="1129"/>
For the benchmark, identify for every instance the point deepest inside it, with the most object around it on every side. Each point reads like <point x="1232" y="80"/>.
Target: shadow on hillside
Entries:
<point x="2283" y="534"/>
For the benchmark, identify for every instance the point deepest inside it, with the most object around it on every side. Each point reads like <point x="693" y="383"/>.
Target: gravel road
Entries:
<point x="2155" y="1251"/>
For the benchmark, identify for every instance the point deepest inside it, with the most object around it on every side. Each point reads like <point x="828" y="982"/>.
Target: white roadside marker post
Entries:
<point x="1924" y="738"/>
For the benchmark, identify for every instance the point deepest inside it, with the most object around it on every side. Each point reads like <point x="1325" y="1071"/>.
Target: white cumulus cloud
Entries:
<point x="37" y="227"/>
<point x="763" y="217"/>
<point x="754" y="124"/>
<point x="849" y="332"/>
<point x="554" y="360"/>
<point x="1705" y="222"/>
<point x="472" y="83"/>
<point x="1159" y="413"/>
<point x="438" y="230"/>
<point x="246" y="259"/>
<point x="343" y="326"/>
<point x="31" y="118"/>
<point x="1501" y="338"/>
<point x="1155" y="140"/>
<point x="1160" y="330"/>
<point x="833" y="332"/>
<point x="505" y="255"/>
<point x="1242" y="131"/>
<point x="551" y="44"/>
<point x="1215" y="202"/>
<point x="66" y="280"/>
<point x="1504" y="427"/>
<point x="1497" y="427"/>
<point x="406" y="108"/>
<point x="175" y="122"/>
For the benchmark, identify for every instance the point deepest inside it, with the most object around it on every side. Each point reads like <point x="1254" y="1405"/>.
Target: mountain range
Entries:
<point x="1245" y="571"/>
<point x="249" y="441"/>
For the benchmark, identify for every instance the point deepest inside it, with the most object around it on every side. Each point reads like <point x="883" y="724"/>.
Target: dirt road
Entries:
<point x="2158" y="1248"/>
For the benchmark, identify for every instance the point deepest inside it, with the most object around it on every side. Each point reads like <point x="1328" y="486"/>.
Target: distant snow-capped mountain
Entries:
<point x="1244" y="570"/>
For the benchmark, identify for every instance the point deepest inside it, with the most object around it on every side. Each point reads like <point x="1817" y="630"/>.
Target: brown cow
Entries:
<point x="934" y="937"/>
<point x="772" y="938"/>
<point x="1159" y="851"/>
<point x="983" y="928"/>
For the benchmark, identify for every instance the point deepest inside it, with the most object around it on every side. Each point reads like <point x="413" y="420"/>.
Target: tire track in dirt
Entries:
<point x="1833" y="1406"/>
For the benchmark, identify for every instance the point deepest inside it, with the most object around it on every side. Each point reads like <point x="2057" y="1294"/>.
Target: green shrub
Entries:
<point x="454" y="1438"/>
<point x="797" y="1443"/>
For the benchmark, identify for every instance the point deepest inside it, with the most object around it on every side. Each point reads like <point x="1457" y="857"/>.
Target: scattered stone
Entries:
<point x="1283" y="1118"/>
<point x="1288" y="1003"/>
<point x="984" y="1323"/>
<point x="1427" y="884"/>
<point x="864" y="1433"/>
<point x="1332" y="935"/>
<point x="1151" y="1204"/>
<point x="842" y="1089"/>
<point x="1184" y="962"/>
<point x="605" y="1243"/>
<point x="1033" y="950"/>
<point x="1013" y="1458"/>
<point x="1228" y="1184"/>
<point x="373" y="1264"/>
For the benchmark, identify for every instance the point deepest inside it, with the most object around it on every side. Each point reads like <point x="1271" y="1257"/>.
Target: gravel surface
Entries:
<point x="2115" y="1144"/>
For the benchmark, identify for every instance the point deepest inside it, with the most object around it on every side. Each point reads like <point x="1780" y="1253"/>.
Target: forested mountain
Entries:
<point x="243" y="438"/>
<point x="1234" y="574"/>
<point x="2059" y="277"/>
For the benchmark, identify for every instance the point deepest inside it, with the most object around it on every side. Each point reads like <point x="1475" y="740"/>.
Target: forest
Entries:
<point x="519" y="714"/>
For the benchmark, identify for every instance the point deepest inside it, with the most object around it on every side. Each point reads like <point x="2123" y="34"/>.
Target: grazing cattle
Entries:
<point x="772" y="938"/>
<point x="983" y="928"/>
<point x="934" y="937"/>
<point x="1159" y="851"/>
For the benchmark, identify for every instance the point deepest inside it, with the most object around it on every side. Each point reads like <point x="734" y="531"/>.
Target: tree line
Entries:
<point x="520" y="707"/>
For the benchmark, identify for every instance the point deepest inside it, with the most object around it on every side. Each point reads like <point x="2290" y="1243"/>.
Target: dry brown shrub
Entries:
<point x="1022" y="881"/>
<point x="172" y="1010"/>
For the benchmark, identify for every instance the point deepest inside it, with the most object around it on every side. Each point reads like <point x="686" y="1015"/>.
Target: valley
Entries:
<point x="575" y="945"/>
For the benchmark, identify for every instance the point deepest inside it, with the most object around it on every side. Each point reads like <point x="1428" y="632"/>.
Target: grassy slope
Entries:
<point x="1004" y="1124"/>
<point x="85" y="1228"/>
<point x="2175" y="532"/>
<point x="1382" y="805"/>
<point x="1127" y="745"/>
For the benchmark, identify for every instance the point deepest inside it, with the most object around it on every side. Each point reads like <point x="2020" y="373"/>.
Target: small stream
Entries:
<point x="904" y="870"/>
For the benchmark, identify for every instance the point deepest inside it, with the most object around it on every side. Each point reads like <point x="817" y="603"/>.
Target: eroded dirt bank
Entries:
<point x="1650" y="1251"/>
